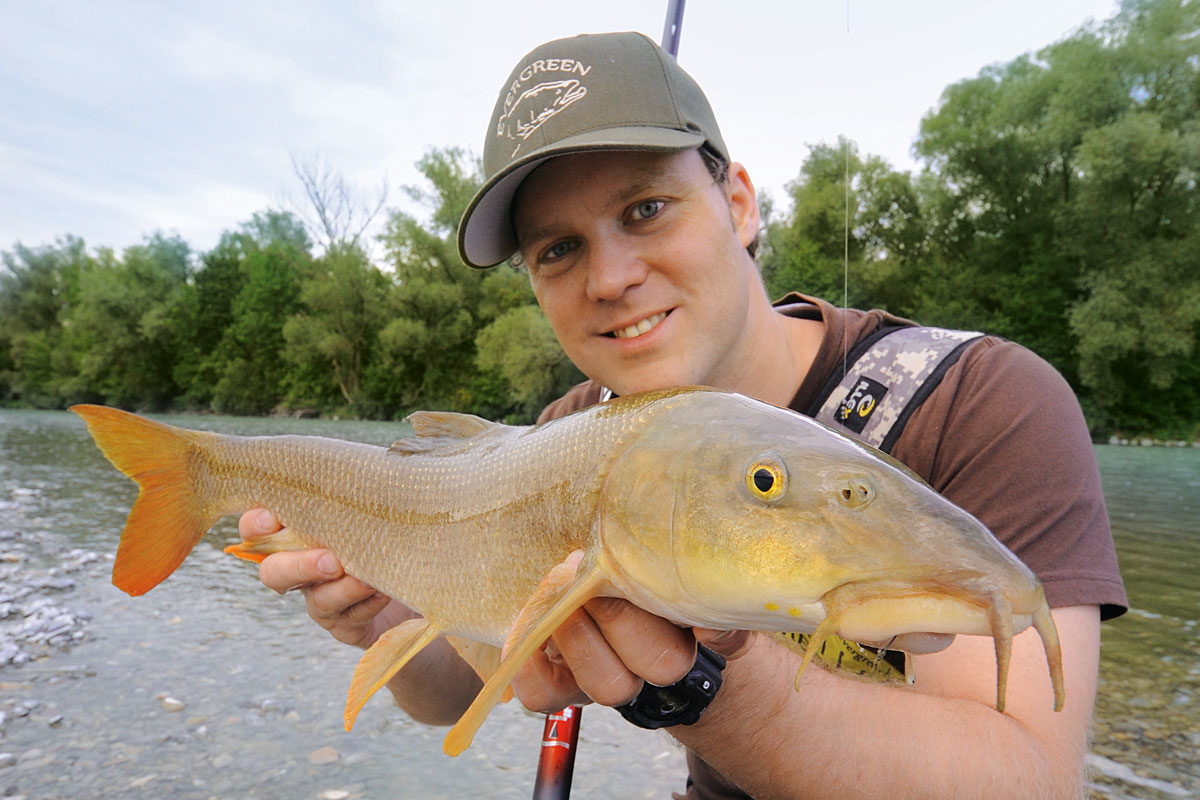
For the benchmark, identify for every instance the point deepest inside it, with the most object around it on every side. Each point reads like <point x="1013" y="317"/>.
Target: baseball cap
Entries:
<point x="607" y="91"/>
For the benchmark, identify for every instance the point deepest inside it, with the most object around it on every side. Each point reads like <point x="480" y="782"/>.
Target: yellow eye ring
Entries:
<point x="766" y="478"/>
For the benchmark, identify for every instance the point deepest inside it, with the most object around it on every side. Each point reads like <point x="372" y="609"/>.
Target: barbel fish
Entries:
<point x="708" y="508"/>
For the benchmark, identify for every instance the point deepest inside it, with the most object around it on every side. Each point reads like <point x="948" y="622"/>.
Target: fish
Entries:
<point x="706" y="507"/>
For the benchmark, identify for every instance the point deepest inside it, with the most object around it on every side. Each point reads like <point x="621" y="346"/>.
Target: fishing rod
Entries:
<point x="673" y="27"/>
<point x="560" y="735"/>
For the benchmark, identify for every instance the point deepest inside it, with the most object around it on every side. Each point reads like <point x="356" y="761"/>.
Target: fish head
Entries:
<point x="726" y="512"/>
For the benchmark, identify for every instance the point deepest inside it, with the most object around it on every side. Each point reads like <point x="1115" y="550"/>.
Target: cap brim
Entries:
<point x="486" y="237"/>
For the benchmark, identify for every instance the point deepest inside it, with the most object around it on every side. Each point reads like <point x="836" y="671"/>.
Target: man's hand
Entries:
<point x="607" y="649"/>
<point x="351" y="611"/>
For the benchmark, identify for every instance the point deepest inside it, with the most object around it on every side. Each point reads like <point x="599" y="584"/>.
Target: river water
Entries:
<point x="212" y="686"/>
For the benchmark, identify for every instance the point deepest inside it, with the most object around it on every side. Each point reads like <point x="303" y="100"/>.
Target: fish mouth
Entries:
<point x="639" y="328"/>
<point x="876" y="612"/>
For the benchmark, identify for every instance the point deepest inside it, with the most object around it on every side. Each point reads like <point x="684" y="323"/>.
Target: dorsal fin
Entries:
<point x="436" y="429"/>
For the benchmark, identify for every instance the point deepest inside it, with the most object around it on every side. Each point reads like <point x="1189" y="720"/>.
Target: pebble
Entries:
<point x="32" y="618"/>
<point x="172" y="704"/>
<point x="1121" y="772"/>
<point x="335" y="794"/>
<point x="7" y="760"/>
<point x="323" y="755"/>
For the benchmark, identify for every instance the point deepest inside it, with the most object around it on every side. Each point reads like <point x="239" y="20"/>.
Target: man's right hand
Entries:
<point x="351" y="611"/>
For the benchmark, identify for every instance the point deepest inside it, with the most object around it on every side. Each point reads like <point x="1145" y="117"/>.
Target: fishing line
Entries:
<point x="846" y="227"/>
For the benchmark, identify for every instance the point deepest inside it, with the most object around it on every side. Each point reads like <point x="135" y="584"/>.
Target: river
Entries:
<point x="212" y="686"/>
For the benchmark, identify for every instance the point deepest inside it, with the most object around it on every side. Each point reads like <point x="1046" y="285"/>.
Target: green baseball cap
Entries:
<point x="607" y="91"/>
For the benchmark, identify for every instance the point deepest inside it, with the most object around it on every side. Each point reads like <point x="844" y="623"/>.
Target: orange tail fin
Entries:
<point x="168" y="519"/>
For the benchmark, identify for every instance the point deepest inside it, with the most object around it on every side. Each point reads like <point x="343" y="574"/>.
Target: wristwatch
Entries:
<point x="682" y="702"/>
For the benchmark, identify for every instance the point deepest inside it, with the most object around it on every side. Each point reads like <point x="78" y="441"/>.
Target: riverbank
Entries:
<point x="1145" y="441"/>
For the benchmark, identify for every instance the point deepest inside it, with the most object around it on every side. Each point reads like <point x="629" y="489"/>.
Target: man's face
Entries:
<point x="638" y="261"/>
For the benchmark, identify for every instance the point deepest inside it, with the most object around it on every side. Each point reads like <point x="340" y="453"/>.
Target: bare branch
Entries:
<point x="335" y="211"/>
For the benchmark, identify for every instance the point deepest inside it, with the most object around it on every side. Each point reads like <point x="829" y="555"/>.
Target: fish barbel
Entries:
<point x="708" y="508"/>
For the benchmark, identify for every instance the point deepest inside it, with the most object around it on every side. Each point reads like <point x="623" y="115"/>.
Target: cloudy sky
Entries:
<point x="121" y="118"/>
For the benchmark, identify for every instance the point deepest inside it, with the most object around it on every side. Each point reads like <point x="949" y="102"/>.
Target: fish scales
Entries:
<point x="423" y="527"/>
<point x="705" y="507"/>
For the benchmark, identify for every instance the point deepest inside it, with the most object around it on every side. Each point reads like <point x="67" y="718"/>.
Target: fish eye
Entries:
<point x="766" y="477"/>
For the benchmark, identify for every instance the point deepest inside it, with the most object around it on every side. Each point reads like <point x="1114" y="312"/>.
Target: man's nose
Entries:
<point x="614" y="266"/>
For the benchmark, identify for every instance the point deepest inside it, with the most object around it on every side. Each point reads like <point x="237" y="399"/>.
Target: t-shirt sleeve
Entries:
<point x="581" y="395"/>
<point x="1003" y="437"/>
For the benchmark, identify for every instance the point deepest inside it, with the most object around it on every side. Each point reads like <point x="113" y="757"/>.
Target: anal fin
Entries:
<point x="384" y="659"/>
<point x="558" y="595"/>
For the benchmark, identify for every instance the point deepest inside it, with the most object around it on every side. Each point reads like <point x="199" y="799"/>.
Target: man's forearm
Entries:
<point x="436" y="687"/>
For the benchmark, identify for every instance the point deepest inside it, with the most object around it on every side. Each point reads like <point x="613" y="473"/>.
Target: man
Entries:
<point x="608" y="178"/>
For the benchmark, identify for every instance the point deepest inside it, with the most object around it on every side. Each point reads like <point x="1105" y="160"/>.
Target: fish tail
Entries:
<point x="169" y="518"/>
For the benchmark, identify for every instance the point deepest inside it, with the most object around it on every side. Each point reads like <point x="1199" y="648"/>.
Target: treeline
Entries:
<point x="260" y="324"/>
<point x="1057" y="207"/>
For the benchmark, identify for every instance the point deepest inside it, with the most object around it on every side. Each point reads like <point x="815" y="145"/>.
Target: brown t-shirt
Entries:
<point x="1003" y="437"/>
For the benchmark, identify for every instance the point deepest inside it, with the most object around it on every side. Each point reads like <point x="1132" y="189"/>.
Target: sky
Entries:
<point x="119" y="119"/>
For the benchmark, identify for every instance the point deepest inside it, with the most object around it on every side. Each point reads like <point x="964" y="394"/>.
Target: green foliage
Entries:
<point x="249" y="365"/>
<point x="845" y="240"/>
<point x="520" y="346"/>
<point x="1057" y="207"/>
<point x="118" y="329"/>
<point x="331" y="338"/>
<point x="37" y="287"/>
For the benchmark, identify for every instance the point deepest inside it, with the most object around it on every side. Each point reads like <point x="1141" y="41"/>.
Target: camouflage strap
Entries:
<point x="886" y="378"/>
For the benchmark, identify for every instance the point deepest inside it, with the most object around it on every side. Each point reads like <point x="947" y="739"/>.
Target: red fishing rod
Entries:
<point x="557" y="762"/>
<point x="560" y="736"/>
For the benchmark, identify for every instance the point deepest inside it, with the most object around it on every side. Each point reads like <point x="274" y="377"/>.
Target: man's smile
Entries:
<point x="640" y="327"/>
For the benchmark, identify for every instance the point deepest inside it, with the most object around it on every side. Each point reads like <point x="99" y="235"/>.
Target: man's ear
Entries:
<point x="743" y="203"/>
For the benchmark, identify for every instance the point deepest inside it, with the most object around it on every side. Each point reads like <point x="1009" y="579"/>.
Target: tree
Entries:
<point x="1061" y="187"/>
<point x="333" y="336"/>
<point x="118" y="331"/>
<point x="521" y="348"/>
<point x="846" y="239"/>
<point x="336" y="213"/>
<point x="249" y="361"/>
<point x="37" y="288"/>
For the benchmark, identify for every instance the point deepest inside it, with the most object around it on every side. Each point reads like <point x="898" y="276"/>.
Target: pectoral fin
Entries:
<point x="558" y="595"/>
<point x="384" y="659"/>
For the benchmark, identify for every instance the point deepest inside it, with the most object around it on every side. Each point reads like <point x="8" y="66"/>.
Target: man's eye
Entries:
<point x="647" y="209"/>
<point x="555" y="251"/>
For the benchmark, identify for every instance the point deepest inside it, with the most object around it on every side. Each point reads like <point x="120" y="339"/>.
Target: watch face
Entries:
<point x="664" y="701"/>
<point x="682" y="702"/>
